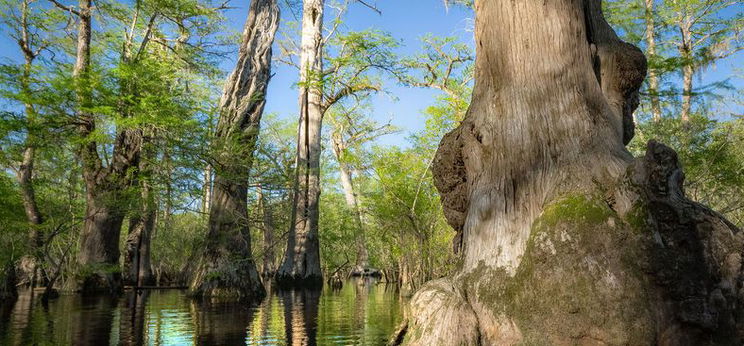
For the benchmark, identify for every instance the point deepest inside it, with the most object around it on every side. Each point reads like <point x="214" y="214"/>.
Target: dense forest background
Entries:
<point x="157" y="66"/>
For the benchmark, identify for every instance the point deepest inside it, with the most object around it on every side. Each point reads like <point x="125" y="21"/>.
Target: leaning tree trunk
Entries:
<point x="227" y="269"/>
<point x="301" y="264"/>
<point x="566" y="238"/>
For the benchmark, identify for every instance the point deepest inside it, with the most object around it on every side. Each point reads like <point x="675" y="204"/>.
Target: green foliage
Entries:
<point x="712" y="156"/>
<point x="12" y="222"/>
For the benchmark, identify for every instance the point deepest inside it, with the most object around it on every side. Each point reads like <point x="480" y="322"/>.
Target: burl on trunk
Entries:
<point x="566" y="238"/>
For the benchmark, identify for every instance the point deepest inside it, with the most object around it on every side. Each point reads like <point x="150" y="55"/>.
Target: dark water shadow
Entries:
<point x="221" y="323"/>
<point x="133" y="317"/>
<point x="91" y="322"/>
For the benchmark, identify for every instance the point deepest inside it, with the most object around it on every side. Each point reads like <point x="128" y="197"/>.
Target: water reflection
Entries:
<point x="301" y="316"/>
<point x="362" y="313"/>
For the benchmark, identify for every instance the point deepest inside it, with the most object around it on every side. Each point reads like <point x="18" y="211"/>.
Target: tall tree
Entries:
<point x="137" y="269"/>
<point x="567" y="239"/>
<point x="301" y="264"/>
<point x="706" y="34"/>
<point x="99" y="241"/>
<point x="226" y="268"/>
<point x="352" y="60"/>
<point x="33" y="33"/>
<point x="351" y="130"/>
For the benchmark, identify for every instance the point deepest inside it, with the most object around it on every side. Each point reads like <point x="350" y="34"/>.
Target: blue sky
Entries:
<point x="407" y="21"/>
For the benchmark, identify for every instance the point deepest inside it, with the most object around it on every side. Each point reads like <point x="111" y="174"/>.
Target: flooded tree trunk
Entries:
<point x="137" y="269"/>
<point x="227" y="269"/>
<point x="99" y="243"/>
<point x="301" y="264"/>
<point x="566" y="238"/>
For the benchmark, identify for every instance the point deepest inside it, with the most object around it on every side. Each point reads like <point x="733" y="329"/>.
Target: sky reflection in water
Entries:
<point x="361" y="313"/>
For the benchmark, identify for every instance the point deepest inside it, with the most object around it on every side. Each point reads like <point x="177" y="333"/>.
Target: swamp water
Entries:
<point x="361" y="313"/>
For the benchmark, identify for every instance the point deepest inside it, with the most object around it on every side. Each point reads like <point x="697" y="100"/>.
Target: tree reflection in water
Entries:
<point x="363" y="312"/>
<point x="301" y="316"/>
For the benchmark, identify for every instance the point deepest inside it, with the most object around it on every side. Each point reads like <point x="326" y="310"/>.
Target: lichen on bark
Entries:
<point x="566" y="238"/>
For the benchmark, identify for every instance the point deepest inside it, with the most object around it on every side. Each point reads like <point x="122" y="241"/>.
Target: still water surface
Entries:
<point x="361" y="313"/>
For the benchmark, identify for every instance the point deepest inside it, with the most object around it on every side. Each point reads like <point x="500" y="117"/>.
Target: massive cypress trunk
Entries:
<point x="99" y="242"/>
<point x="566" y="238"/>
<point x="301" y="264"/>
<point x="227" y="268"/>
<point x="137" y="269"/>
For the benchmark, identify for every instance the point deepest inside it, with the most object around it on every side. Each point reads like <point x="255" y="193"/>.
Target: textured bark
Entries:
<point x="352" y="201"/>
<point x="301" y="263"/>
<point x="99" y="251"/>
<point x="137" y="269"/>
<point x="227" y="269"/>
<point x="566" y="239"/>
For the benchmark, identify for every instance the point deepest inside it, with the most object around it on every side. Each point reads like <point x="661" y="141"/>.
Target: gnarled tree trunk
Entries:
<point x="137" y="269"/>
<point x="301" y="264"/>
<point x="99" y="241"/>
<point x="227" y="269"/>
<point x="567" y="239"/>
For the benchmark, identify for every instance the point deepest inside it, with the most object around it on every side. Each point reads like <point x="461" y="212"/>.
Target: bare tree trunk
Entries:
<point x="566" y="239"/>
<point x="301" y="264"/>
<point x="227" y="268"/>
<point x="352" y="201"/>
<point x="653" y="79"/>
<point x="685" y="51"/>
<point x="206" y="198"/>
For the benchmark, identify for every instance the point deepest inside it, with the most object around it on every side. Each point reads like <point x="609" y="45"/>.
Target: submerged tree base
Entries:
<point x="221" y="279"/>
<point x="633" y="264"/>
<point x="296" y="281"/>
<point x="99" y="278"/>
